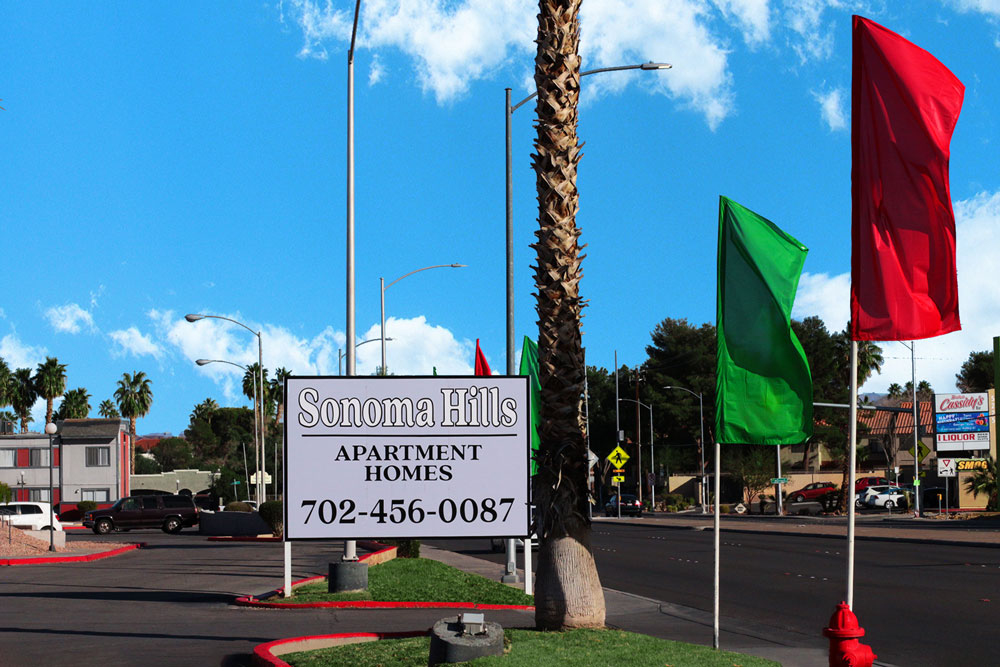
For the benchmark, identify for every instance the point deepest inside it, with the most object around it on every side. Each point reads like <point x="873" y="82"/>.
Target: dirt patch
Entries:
<point x="15" y="543"/>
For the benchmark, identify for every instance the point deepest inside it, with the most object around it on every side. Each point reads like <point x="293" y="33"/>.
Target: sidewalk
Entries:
<point x="668" y="621"/>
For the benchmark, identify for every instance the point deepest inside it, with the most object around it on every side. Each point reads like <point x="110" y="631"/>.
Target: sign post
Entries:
<point x="406" y="457"/>
<point x="618" y="457"/>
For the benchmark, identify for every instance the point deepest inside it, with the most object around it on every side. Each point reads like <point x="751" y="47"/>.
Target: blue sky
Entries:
<point x="166" y="159"/>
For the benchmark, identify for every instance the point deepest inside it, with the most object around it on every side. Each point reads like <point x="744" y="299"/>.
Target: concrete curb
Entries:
<point x="266" y="655"/>
<point x="44" y="560"/>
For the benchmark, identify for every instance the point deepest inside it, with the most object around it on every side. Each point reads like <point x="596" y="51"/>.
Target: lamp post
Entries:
<point x="340" y="353"/>
<point x="50" y="430"/>
<point x="652" y="463"/>
<point x="258" y="412"/>
<point x="701" y="448"/>
<point x="509" y="110"/>
<point x="202" y="362"/>
<point x="383" y="287"/>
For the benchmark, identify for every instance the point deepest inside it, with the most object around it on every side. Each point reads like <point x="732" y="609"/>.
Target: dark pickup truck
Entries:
<point x="170" y="513"/>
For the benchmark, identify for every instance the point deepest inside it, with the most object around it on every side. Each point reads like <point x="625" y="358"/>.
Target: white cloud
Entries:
<point x="19" y="355"/>
<point x="753" y="17"/>
<point x="416" y="348"/>
<point x="319" y="24"/>
<point x="70" y="318"/>
<point x="812" y="37"/>
<point x="977" y="222"/>
<point x="376" y="71"/>
<point x="832" y="108"/>
<point x="991" y="7"/>
<point x="132" y="341"/>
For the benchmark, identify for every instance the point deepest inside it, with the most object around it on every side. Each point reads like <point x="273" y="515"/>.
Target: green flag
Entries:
<point x="763" y="386"/>
<point x="529" y="367"/>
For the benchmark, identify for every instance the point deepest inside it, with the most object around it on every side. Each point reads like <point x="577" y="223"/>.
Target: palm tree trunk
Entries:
<point x="568" y="591"/>
<point x="131" y="444"/>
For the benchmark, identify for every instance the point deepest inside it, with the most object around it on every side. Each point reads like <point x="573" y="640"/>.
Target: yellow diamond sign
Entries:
<point x="618" y="457"/>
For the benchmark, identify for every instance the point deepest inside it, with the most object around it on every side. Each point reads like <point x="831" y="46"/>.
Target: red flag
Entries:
<point x="482" y="368"/>
<point x="904" y="106"/>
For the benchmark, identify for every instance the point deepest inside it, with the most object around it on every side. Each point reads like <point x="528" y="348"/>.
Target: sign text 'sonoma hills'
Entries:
<point x="406" y="457"/>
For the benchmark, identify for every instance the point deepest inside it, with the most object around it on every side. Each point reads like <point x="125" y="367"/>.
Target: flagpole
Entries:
<point x="715" y="524"/>
<point x="849" y="492"/>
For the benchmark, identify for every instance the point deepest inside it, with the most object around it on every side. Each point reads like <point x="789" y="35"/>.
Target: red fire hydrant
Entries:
<point x="845" y="649"/>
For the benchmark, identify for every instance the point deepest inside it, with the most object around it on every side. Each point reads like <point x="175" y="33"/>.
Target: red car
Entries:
<point x="864" y="482"/>
<point x="812" y="491"/>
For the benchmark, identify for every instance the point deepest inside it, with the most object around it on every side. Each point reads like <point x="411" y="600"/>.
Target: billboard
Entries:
<point x="402" y="457"/>
<point x="961" y="422"/>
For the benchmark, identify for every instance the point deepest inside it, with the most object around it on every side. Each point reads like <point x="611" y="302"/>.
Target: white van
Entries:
<point x="29" y="516"/>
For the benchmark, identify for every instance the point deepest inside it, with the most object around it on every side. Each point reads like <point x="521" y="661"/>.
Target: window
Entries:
<point x="38" y="495"/>
<point x="96" y="495"/>
<point x="149" y="502"/>
<point x="7" y="458"/>
<point x="30" y="509"/>
<point x="38" y="457"/>
<point x="98" y="456"/>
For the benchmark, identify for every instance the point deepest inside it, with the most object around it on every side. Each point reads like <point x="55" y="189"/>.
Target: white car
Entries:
<point x="888" y="498"/>
<point x="29" y="515"/>
<point x="861" y="498"/>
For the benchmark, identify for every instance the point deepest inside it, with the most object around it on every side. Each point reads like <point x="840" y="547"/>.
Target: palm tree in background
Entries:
<point x="50" y="383"/>
<point x="204" y="410"/>
<point x="277" y="393"/>
<point x="568" y="592"/>
<point x="984" y="482"/>
<point x="75" y="405"/>
<point x="22" y="395"/>
<point x="108" y="409"/>
<point x="135" y="397"/>
<point x="5" y="376"/>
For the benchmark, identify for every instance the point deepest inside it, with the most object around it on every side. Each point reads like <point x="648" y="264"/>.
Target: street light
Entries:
<point x="652" y="465"/>
<point x="203" y="362"/>
<point x="701" y="447"/>
<point x="258" y="415"/>
<point x="510" y="203"/>
<point x="341" y="353"/>
<point x="383" y="287"/>
<point x="50" y="430"/>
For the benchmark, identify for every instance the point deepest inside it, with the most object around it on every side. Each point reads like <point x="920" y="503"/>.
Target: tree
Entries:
<point x="752" y="467"/>
<point x="895" y="391"/>
<point x="146" y="466"/>
<point x="984" y="482"/>
<point x="277" y="394"/>
<point x="135" y="397"/>
<point x="5" y="380"/>
<point x="924" y="391"/>
<point x="173" y="454"/>
<point x="50" y="383"/>
<point x="204" y="410"/>
<point x="568" y="593"/>
<point x="75" y="405"/>
<point x="108" y="409"/>
<point x="977" y="373"/>
<point x="22" y="396"/>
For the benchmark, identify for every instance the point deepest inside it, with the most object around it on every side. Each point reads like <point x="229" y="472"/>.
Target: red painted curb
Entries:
<point x="263" y="656"/>
<point x="71" y="559"/>
<point x="242" y="538"/>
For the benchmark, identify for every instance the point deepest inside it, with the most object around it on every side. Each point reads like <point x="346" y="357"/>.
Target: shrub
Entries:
<point x="272" y="512"/>
<point x="86" y="506"/>
<point x="404" y="548"/>
<point x="238" y="506"/>
<point x="725" y="509"/>
<point x="6" y="494"/>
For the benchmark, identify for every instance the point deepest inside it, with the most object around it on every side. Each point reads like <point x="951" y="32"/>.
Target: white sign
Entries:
<point x="265" y="477"/>
<point x="961" y="422"/>
<point x="399" y="457"/>
<point x="947" y="467"/>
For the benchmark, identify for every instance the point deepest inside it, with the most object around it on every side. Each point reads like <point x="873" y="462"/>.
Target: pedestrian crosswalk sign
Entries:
<point x="618" y="457"/>
<point x="617" y="479"/>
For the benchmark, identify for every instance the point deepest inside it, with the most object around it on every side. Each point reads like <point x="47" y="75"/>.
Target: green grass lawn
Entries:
<point x="416" y="580"/>
<point x="538" y="649"/>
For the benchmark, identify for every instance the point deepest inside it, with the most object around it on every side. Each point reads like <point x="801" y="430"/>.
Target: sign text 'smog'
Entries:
<point x="406" y="457"/>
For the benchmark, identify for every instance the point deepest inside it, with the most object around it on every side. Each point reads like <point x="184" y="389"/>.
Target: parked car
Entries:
<point x="812" y="491"/>
<point x="861" y="498"/>
<point x="863" y="483"/>
<point x="169" y="513"/>
<point x="498" y="544"/>
<point x="29" y="515"/>
<point x="887" y="498"/>
<point x="630" y="505"/>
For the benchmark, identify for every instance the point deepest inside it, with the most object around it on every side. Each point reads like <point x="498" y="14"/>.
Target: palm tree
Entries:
<point x="22" y="395"/>
<point x="135" y="397"/>
<point x="50" y="383"/>
<point x="204" y="410"/>
<point x="568" y="592"/>
<point x="984" y="482"/>
<point x="4" y="383"/>
<point x="277" y="393"/>
<point x="75" y="405"/>
<point x="108" y="409"/>
<point x="895" y="391"/>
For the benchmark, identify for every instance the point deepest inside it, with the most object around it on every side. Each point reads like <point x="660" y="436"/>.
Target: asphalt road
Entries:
<point x="920" y="604"/>
<point x="170" y="604"/>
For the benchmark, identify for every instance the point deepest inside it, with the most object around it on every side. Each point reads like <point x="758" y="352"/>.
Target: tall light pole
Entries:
<point x="258" y="411"/>
<point x="256" y="404"/>
<point x="340" y="352"/>
<point x="701" y="448"/>
<point x="652" y="463"/>
<point x="383" y="287"/>
<point x="50" y="430"/>
<point x="509" y="110"/>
